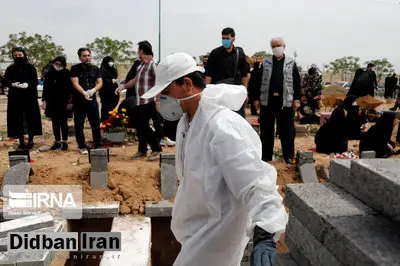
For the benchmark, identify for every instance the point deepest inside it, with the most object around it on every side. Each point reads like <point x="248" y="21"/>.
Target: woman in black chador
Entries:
<point x="57" y="92"/>
<point x="109" y="99"/>
<point x="331" y="137"/>
<point x="378" y="136"/>
<point x="23" y="113"/>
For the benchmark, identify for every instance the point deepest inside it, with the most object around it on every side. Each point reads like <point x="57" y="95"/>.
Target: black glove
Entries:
<point x="264" y="248"/>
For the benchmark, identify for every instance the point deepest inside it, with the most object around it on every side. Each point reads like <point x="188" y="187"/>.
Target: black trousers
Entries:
<point x="157" y="119"/>
<point x="145" y="134"/>
<point x="91" y="111"/>
<point x="285" y="128"/>
<point x="59" y="121"/>
<point x="108" y="103"/>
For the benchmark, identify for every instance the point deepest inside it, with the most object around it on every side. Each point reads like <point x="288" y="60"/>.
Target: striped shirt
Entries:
<point x="145" y="80"/>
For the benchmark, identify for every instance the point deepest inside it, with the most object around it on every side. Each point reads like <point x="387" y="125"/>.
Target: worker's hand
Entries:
<point x="23" y="85"/>
<point x="115" y="81"/>
<point x="44" y="105"/>
<point x="296" y="105"/>
<point x="264" y="248"/>
<point x="256" y="104"/>
<point x="91" y="92"/>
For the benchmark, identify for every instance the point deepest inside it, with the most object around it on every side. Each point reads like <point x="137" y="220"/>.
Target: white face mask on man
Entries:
<point x="278" y="51"/>
<point x="111" y="64"/>
<point x="57" y="68"/>
<point x="170" y="109"/>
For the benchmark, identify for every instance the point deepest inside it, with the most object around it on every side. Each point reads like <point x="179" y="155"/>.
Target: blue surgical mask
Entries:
<point x="226" y="43"/>
<point x="170" y="109"/>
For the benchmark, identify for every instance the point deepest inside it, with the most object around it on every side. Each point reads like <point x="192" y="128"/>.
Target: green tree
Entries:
<point x="344" y="66"/>
<point x="121" y="51"/>
<point x="40" y="48"/>
<point x="383" y="67"/>
<point x="262" y="54"/>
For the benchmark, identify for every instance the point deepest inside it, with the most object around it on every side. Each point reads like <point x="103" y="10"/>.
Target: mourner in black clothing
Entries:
<point x="253" y="91"/>
<point x="227" y="64"/>
<point x="57" y="92"/>
<point x="23" y="113"/>
<point x="109" y="99"/>
<point x="356" y="119"/>
<point x="331" y="137"/>
<point x="306" y="112"/>
<point x="86" y="80"/>
<point x="378" y="136"/>
<point x="364" y="82"/>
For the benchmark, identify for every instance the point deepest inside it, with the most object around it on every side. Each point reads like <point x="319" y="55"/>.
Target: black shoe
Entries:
<point x="56" y="146"/>
<point x="64" y="146"/>
<point x="22" y="146"/>
<point x="29" y="145"/>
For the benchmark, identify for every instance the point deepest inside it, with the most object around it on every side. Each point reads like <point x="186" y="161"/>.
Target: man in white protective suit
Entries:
<point x="226" y="192"/>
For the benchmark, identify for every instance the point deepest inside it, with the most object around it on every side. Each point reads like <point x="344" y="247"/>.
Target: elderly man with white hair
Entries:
<point x="279" y="95"/>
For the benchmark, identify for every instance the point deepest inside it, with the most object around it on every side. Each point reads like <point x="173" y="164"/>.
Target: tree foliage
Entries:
<point x="344" y="66"/>
<point x="121" y="51"/>
<point x="40" y="48"/>
<point x="262" y="54"/>
<point x="383" y="67"/>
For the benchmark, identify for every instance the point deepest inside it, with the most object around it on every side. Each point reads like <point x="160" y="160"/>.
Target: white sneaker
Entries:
<point x="169" y="142"/>
<point x="163" y="142"/>
<point x="83" y="151"/>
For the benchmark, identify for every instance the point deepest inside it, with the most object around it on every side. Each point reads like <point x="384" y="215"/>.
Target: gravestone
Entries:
<point x="99" y="168"/>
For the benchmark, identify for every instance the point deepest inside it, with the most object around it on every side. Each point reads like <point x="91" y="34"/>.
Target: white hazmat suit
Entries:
<point x="225" y="188"/>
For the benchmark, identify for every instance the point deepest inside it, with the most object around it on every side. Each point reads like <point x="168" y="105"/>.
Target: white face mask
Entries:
<point x="111" y="64"/>
<point x="57" y="68"/>
<point x="278" y="51"/>
<point x="170" y="109"/>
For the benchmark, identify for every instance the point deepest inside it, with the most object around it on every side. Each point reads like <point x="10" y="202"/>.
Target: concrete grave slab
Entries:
<point x="304" y="157"/>
<point x="308" y="174"/>
<point x="98" y="180"/>
<point x="96" y="210"/>
<point x="308" y="245"/>
<point x="339" y="172"/>
<point x="377" y="183"/>
<point x="160" y="209"/>
<point x="99" y="159"/>
<point x="364" y="240"/>
<point x="296" y="253"/>
<point x="27" y="224"/>
<point x="16" y="175"/>
<point x="313" y="204"/>
<point x="59" y="226"/>
<point x="368" y="155"/>
<point x="169" y="181"/>
<point x="16" y="159"/>
<point x="167" y="158"/>
<point x="285" y="259"/>
<point x="136" y="242"/>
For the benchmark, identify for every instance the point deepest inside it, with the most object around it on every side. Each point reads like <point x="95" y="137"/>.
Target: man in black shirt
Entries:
<point x="86" y="80"/>
<point x="279" y="90"/>
<point x="227" y="64"/>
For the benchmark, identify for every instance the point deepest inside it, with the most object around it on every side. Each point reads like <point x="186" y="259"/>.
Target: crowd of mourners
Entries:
<point x="277" y="93"/>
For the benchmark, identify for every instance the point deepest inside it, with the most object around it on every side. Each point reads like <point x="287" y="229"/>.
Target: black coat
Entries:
<point x="23" y="113"/>
<point x="57" y="91"/>
<point x="108" y="89"/>
<point x="331" y="137"/>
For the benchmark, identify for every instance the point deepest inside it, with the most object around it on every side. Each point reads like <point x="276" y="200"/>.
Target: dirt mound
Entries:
<point x="332" y="90"/>
<point x="368" y="102"/>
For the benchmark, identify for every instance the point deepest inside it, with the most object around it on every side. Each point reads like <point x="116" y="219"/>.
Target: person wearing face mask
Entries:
<point x="57" y="90"/>
<point x="364" y="82"/>
<point x="226" y="193"/>
<point x="23" y="112"/>
<point x="279" y="92"/>
<point x="145" y="108"/>
<point x="109" y="99"/>
<point x="227" y="64"/>
<point x="86" y="80"/>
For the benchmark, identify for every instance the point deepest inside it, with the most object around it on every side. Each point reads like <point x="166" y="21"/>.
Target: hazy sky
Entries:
<point x="319" y="30"/>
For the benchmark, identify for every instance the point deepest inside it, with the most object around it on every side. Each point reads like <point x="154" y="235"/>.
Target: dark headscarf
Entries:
<point x="111" y="71"/>
<point x="61" y="59"/>
<point x="348" y="102"/>
<point x="19" y="49"/>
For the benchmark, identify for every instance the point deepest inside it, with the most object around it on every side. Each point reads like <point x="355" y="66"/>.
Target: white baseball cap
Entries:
<point x="171" y="68"/>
